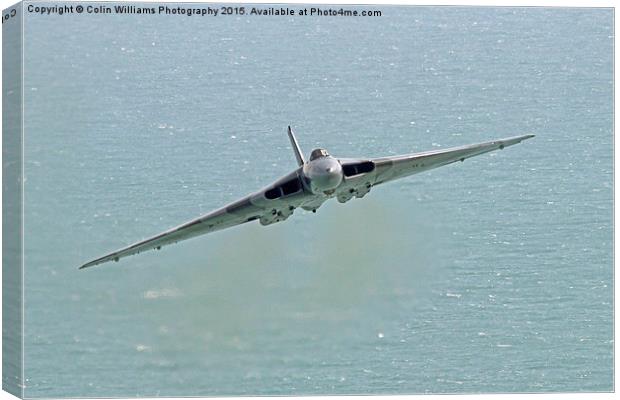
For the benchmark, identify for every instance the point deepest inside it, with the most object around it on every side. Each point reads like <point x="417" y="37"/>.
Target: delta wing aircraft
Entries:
<point x="315" y="181"/>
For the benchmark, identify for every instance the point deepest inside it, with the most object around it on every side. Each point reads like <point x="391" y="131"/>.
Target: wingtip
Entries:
<point x="91" y="264"/>
<point x="521" y="138"/>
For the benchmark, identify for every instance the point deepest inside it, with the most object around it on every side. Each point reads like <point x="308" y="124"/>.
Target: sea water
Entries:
<point x="492" y="275"/>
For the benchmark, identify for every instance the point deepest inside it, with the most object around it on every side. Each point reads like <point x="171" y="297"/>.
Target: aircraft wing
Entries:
<point x="361" y="175"/>
<point x="287" y="194"/>
<point x="390" y="168"/>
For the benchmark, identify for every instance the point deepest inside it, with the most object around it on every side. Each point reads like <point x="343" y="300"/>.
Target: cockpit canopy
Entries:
<point x="318" y="153"/>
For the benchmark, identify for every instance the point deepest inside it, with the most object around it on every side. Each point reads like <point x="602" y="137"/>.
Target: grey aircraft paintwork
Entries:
<point x="320" y="178"/>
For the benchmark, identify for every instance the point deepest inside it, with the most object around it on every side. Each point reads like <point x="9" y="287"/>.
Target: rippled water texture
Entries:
<point x="494" y="275"/>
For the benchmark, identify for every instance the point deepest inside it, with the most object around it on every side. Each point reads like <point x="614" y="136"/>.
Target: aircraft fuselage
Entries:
<point x="324" y="174"/>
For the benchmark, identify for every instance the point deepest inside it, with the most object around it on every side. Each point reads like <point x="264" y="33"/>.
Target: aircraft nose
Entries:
<point x="325" y="175"/>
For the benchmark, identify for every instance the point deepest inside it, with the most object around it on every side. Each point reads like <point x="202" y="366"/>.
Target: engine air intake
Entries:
<point x="358" y="168"/>
<point x="289" y="187"/>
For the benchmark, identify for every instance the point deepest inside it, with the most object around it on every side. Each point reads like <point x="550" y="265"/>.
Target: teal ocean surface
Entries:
<point x="493" y="275"/>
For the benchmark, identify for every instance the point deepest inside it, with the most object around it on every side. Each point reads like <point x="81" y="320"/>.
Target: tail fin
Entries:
<point x="296" y="149"/>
